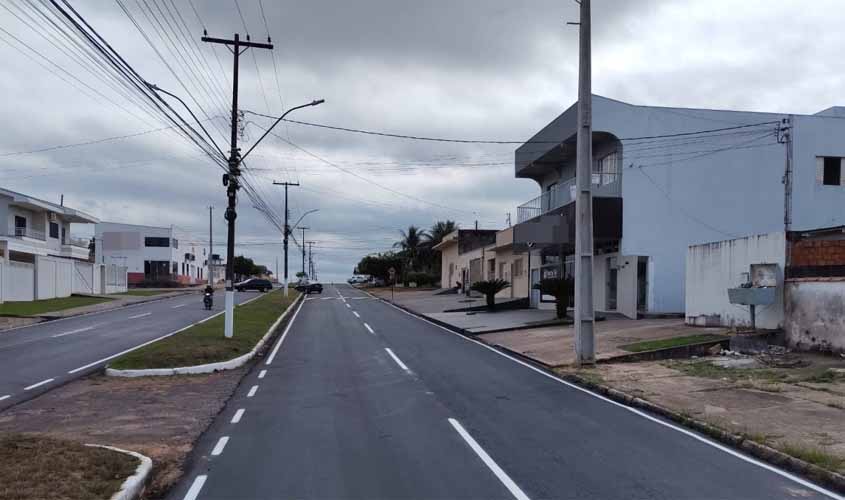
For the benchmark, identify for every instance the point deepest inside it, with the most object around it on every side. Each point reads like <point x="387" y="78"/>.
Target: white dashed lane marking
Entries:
<point x="218" y="448"/>
<point x="238" y="415"/>
<point x="252" y="391"/>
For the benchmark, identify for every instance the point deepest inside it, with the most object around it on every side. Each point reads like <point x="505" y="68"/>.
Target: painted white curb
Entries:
<point x="134" y="484"/>
<point x="209" y="367"/>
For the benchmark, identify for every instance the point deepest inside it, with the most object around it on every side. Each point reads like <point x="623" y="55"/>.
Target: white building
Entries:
<point x="151" y="253"/>
<point x="40" y="259"/>
<point x="668" y="178"/>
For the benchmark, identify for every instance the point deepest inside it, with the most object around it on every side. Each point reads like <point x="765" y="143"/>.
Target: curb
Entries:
<point x="133" y="486"/>
<point x="762" y="452"/>
<point x="209" y="367"/>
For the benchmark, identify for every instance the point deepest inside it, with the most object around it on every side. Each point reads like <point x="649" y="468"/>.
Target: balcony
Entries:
<point x="26" y="232"/>
<point x="72" y="241"/>
<point x="603" y="186"/>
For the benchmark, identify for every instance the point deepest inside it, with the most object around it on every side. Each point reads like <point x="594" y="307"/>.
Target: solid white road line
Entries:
<point x="140" y="315"/>
<point x="262" y="373"/>
<point x="356" y="314"/>
<point x="238" y="415"/>
<point x="252" y="391"/>
<point x="196" y="486"/>
<point x="7" y="396"/>
<point x="180" y="305"/>
<point x="121" y="353"/>
<point x="284" y="334"/>
<point x="398" y="361"/>
<point x="489" y="462"/>
<point x="641" y="413"/>
<point x="218" y="448"/>
<point x="39" y="384"/>
<point x="80" y="330"/>
<point x="370" y="329"/>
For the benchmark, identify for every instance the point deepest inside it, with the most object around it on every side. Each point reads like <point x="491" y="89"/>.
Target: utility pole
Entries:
<point x="584" y="313"/>
<point x="287" y="229"/>
<point x="231" y="178"/>
<point x="303" y="248"/>
<point x="210" y="250"/>
<point x="785" y="137"/>
<point x="310" y="262"/>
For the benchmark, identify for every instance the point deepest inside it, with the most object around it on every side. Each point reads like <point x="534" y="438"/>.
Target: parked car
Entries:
<point x="357" y="280"/>
<point x="378" y="282"/>
<point x="306" y="287"/>
<point x="259" y="284"/>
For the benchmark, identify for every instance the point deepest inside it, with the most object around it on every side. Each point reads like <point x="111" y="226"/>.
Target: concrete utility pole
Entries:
<point x="584" y="314"/>
<point x="210" y="250"/>
<point x="286" y="230"/>
<point x="303" y="248"/>
<point x="231" y="179"/>
<point x="310" y="261"/>
<point x="786" y="138"/>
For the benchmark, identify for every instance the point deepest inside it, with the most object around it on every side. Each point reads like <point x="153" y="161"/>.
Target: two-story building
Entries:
<point x="667" y="178"/>
<point x="151" y="254"/>
<point x="39" y="257"/>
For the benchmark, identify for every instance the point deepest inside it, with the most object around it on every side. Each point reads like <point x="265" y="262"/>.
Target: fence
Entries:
<point x="52" y="277"/>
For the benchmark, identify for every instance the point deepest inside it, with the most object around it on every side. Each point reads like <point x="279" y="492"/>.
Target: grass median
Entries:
<point x="651" y="345"/>
<point x="205" y="343"/>
<point x="41" y="467"/>
<point x="36" y="307"/>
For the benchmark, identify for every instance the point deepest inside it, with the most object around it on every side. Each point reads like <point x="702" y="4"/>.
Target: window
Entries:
<point x="491" y="269"/>
<point x="175" y="268"/>
<point x="605" y="169"/>
<point x="832" y="171"/>
<point x="502" y="271"/>
<point x="54" y="230"/>
<point x="20" y="226"/>
<point x="517" y="268"/>
<point x="174" y="243"/>
<point x="151" y="241"/>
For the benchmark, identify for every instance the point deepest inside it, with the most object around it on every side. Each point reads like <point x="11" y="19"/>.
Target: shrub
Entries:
<point x="421" y="279"/>
<point x="561" y="289"/>
<point x="490" y="288"/>
<point x="157" y="283"/>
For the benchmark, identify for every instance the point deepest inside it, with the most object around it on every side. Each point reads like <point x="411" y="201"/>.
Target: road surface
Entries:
<point x="36" y="358"/>
<point x="359" y="399"/>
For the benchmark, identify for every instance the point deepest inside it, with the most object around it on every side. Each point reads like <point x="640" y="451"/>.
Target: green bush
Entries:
<point x="421" y="279"/>
<point x="562" y="289"/>
<point x="490" y="288"/>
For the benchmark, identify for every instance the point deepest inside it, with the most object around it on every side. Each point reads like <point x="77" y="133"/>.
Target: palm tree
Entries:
<point x="411" y="244"/>
<point x="439" y="231"/>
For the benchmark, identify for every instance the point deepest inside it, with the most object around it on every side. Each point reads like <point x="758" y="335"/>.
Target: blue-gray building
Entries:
<point x="667" y="178"/>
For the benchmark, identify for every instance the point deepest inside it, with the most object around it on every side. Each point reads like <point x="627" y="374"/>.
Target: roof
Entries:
<point x="70" y="214"/>
<point x="105" y="224"/>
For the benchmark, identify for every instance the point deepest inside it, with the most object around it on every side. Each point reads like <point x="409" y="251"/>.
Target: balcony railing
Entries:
<point x="604" y="185"/>
<point x="75" y="242"/>
<point x="26" y="232"/>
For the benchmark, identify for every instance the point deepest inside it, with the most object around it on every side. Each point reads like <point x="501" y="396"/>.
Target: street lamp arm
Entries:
<point x="279" y="119"/>
<point x="159" y="89"/>
<point x="302" y="217"/>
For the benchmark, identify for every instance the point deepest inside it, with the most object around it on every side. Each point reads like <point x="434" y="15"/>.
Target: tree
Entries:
<point x="562" y="289"/>
<point x="300" y="274"/>
<point x="243" y="266"/>
<point x="430" y="258"/>
<point x="439" y="231"/>
<point x="378" y="265"/>
<point x="490" y="288"/>
<point x="411" y="244"/>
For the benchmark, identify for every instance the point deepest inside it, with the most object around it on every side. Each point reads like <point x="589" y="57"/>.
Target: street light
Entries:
<point x="159" y="89"/>
<point x="302" y="217"/>
<point x="312" y="103"/>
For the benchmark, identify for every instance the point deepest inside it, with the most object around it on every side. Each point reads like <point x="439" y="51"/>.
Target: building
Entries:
<point x="806" y="288"/>
<point x="471" y="255"/>
<point x="668" y="178"/>
<point x="39" y="256"/>
<point x="150" y="254"/>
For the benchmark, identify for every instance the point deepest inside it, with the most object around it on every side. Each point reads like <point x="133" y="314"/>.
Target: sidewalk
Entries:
<point x="118" y="301"/>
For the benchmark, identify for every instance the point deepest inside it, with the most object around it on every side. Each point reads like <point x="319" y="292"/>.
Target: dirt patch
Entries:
<point x="48" y="468"/>
<point x="160" y="417"/>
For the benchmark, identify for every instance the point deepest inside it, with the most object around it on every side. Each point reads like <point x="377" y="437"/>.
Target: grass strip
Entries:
<point x="41" y="467"/>
<point x="651" y="345"/>
<point x="37" y="307"/>
<point x="146" y="293"/>
<point x="205" y="343"/>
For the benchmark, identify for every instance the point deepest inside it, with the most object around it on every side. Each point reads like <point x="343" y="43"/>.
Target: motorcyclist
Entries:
<point x="208" y="296"/>
<point x="209" y="289"/>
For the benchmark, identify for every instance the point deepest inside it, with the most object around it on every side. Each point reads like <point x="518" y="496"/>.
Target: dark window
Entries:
<point x="156" y="242"/>
<point x="20" y="225"/>
<point x="175" y="268"/>
<point x="832" y="171"/>
<point x="54" y="230"/>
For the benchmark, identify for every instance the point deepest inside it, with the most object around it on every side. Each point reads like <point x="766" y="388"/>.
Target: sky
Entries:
<point x="464" y="69"/>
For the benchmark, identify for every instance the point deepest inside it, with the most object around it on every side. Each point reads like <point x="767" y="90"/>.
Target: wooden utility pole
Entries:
<point x="230" y="180"/>
<point x="584" y="313"/>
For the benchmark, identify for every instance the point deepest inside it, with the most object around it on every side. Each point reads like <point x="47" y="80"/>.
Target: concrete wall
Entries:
<point x="712" y="268"/>
<point x="53" y="277"/>
<point x="17" y="281"/>
<point x="816" y="315"/>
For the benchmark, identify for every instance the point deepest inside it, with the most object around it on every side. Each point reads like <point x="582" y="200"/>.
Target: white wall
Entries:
<point x="18" y="281"/>
<point x="53" y="277"/>
<point x="816" y="315"/>
<point x="712" y="268"/>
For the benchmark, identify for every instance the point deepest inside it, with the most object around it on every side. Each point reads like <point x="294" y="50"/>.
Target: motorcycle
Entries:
<point x="208" y="301"/>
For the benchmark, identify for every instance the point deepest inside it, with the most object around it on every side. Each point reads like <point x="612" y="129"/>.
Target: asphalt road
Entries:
<point x="36" y="358"/>
<point x="361" y="400"/>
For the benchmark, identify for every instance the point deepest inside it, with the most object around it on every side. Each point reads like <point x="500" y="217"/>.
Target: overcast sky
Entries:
<point x="472" y="69"/>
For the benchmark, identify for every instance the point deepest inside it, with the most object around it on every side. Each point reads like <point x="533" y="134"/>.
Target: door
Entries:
<point x="611" y="276"/>
<point x="642" y="283"/>
<point x="534" y="294"/>
<point x="20" y="226"/>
